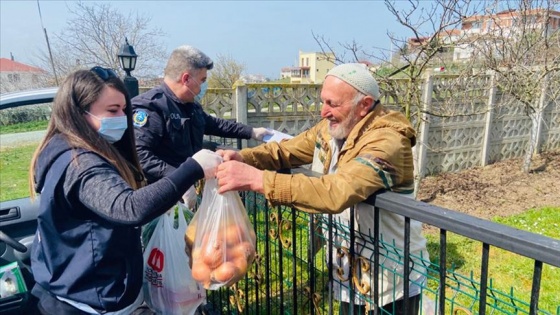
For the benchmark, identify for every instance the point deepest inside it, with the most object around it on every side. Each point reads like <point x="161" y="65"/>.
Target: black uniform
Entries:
<point x="169" y="131"/>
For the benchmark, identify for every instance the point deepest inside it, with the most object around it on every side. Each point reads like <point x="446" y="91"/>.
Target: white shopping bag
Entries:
<point x="168" y="286"/>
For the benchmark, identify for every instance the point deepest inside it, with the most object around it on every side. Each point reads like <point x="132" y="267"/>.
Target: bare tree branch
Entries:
<point x="94" y="34"/>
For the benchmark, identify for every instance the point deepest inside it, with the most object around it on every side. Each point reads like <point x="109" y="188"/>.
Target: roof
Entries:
<point x="8" y="65"/>
<point x="512" y="13"/>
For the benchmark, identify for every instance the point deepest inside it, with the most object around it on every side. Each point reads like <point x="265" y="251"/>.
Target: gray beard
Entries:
<point x="344" y="128"/>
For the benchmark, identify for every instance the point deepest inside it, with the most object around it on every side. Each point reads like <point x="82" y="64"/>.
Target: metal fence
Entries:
<point x="287" y="276"/>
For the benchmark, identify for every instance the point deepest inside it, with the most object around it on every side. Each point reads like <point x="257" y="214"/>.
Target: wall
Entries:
<point x="466" y="122"/>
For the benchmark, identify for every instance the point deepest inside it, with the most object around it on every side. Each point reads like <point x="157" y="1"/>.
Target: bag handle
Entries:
<point x="182" y="226"/>
<point x="169" y="218"/>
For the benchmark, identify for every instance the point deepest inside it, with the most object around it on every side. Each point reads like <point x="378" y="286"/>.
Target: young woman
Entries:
<point x="87" y="255"/>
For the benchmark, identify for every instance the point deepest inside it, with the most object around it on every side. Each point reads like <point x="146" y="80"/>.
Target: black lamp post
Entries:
<point x="127" y="57"/>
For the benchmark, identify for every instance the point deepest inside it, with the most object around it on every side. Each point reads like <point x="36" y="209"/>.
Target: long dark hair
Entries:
<point x="74" y="97"/>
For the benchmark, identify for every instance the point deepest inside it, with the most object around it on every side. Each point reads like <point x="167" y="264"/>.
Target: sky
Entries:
<point x="263" y="35"/>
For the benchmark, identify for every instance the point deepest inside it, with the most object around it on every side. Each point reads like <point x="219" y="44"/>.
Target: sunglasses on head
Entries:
<point x="104" y="73"/>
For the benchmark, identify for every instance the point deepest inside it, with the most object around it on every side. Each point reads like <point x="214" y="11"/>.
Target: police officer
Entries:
<point x="169" y="120"/>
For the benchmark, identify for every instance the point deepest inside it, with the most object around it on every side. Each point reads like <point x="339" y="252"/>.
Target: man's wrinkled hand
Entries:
<point x="230" y="155"/>
<point x="234" y="175"/>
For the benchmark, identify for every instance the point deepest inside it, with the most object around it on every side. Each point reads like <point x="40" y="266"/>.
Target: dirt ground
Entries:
<point x="500" y="189"/>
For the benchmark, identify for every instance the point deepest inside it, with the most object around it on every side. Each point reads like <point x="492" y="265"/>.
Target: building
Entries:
<point x="510" y="22"/>
<point x="462" y="44"/>
<point x="16" y="76"/>
<point x="312" y="68"/>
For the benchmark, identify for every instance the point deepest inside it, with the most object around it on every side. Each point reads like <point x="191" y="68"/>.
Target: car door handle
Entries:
<point x="13" y="243"/>
<point x="9" y="214"/>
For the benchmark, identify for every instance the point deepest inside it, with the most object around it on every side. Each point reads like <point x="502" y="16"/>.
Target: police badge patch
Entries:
<point x="140" y="118"/>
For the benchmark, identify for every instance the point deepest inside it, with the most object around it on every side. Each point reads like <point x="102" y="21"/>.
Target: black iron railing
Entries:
<point x="291" y="273"/>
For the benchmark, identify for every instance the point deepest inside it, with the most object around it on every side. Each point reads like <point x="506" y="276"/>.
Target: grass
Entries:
<point x="14" y="172"/>
<point x="510" y="274"/>
<point x="24" y="127"/>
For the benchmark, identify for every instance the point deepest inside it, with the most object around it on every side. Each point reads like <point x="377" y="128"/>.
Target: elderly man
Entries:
<point x="360" y="147"/>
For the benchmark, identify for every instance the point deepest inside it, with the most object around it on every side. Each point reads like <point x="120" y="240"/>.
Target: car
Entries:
<point x="18" y="218"/>
<point x="29" y="97"/>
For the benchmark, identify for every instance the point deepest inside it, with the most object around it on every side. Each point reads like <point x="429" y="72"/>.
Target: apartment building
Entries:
<point x="508" y="22"/>
<point x="312" y="68"/>
<point x="462" y="44"/>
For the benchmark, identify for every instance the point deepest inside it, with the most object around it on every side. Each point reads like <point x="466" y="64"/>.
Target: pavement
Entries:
<point x="11" y="140"/>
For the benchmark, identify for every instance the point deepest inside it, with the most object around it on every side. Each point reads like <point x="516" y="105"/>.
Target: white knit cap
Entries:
<point x="358" y="76"/>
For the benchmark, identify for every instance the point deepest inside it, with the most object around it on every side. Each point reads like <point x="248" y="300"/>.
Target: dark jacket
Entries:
<point x="87" y="246"/>
<point x="168" y="131"/>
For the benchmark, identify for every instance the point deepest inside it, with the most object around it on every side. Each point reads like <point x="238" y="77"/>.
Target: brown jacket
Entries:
<point x="377" y="155"/>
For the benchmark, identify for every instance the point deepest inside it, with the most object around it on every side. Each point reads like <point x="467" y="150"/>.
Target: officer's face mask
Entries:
<point x="200" y="95"/>
<point x="203" y="87"/>
<point x="112" y="128"/>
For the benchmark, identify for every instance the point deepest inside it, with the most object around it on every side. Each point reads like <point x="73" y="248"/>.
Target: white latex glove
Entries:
<point x="189" y="198"/>
<point x="209" y="161"/>
<point x="259" y="133"/>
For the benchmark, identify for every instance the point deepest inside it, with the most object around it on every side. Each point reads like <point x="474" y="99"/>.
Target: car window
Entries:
<point x="21" y="130"/>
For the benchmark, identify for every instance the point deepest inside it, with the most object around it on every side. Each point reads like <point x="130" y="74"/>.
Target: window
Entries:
<point x="13" y="77"/>
<point x="489" y="24"/>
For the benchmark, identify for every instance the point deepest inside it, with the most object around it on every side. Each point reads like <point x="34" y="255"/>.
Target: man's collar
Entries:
<point x="169" y="93"/>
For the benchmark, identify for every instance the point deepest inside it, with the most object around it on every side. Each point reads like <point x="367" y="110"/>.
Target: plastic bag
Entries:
<point x="11" y="280"/>
<point x="168" y="284"/>
<point x="190" y="197"/>
<point x="148" y="229"/>
<point x="429" y="306"/>
<point x="221" y="238"/>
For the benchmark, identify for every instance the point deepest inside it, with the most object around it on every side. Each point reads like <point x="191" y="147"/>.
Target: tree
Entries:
<point x="94" y="34"/>
<point x="429" y="25"/>
<point x="525" y="62"/>
<point x="523" y="52"/>
<point x="225" y="73"/>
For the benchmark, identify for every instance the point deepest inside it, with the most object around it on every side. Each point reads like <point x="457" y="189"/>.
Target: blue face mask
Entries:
<point x="200" y="95"/>
<point x="112" y="128"/>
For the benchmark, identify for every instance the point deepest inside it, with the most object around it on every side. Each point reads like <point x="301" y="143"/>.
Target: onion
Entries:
<point x="201" y="273"/>
<point x="213" y="254"/>
<point x="224" y="272"/>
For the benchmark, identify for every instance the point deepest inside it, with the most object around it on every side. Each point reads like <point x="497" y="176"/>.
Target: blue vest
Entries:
<point x="80" y="256"/>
